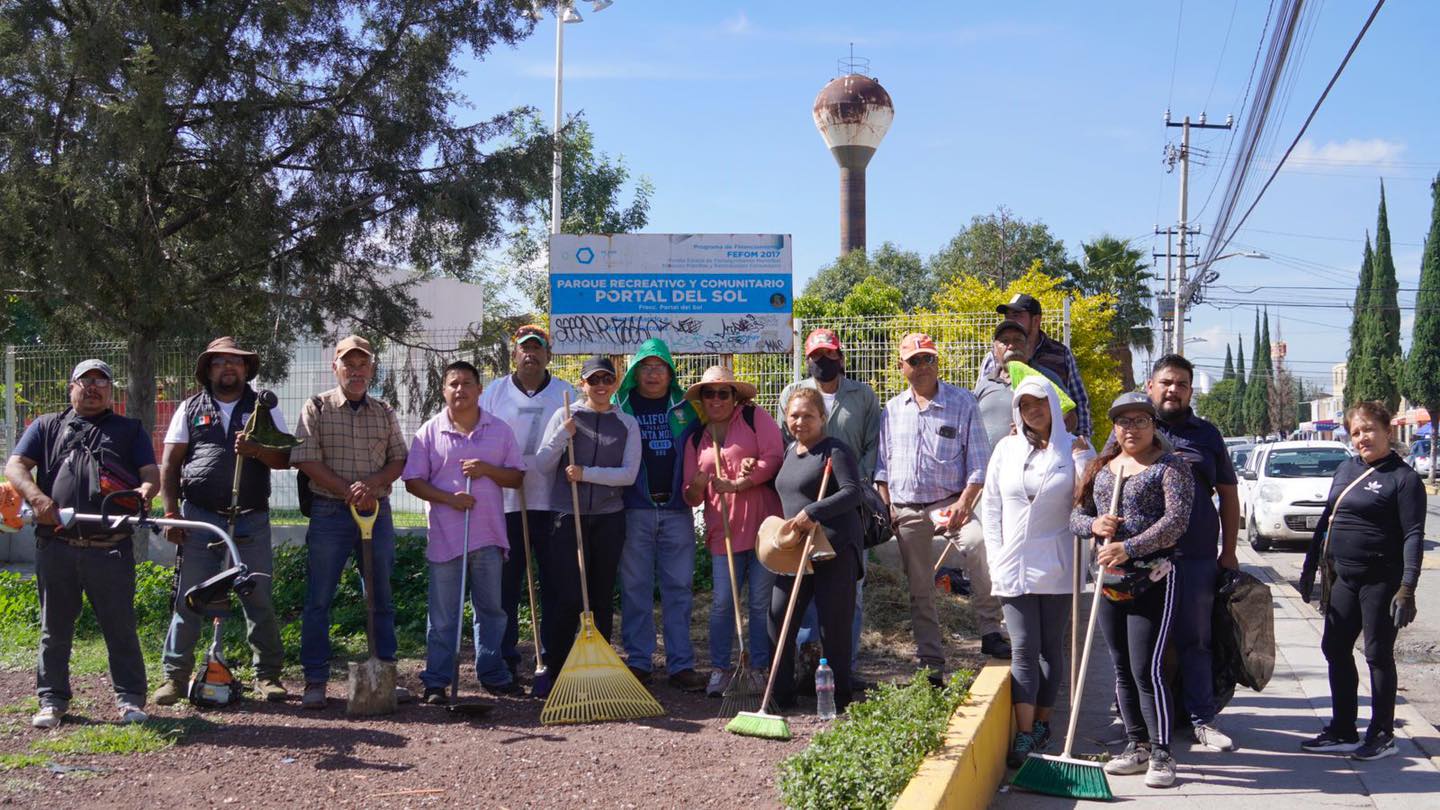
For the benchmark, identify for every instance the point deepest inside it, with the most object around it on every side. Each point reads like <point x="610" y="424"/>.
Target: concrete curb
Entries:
<point x="969" y="767"/>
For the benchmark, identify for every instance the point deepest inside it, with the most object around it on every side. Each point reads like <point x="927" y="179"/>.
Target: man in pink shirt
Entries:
<point x="458" y="443"/>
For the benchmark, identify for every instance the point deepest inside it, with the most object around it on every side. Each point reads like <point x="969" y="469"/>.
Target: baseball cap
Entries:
<point x="351" y="344"/>
<point x="87" y="366"/>
<point x="1020" y="302"/>
<point x="821" y="339"/>
<point x="1131" y="401"/>
<point x="596" y="363"/>
<point x="917" y="343"/>
<point x="534" y="332"/>
<point x="1007" y="325"/>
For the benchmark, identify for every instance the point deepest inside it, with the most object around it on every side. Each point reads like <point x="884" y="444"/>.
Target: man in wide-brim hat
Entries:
<point x="197" y="477"/>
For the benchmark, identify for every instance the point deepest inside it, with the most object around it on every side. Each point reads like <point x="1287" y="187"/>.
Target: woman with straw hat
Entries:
<point x="736" y="474"/>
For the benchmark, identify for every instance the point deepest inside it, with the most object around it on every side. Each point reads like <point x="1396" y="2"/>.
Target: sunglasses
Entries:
<point x="1134" y="422"/>
<point x="922" y="360"/>
<point x="721" y="394"/>
<point x="601" y="378"/>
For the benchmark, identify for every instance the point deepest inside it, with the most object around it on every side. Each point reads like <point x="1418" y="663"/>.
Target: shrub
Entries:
<point x="868" y="757"/>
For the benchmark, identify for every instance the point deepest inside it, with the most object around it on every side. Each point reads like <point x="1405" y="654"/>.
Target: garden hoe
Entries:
<point x="372" y="681"/>
<point x="740" y="694"/>
<point x="594" y="684"/>
<point x="468" y="709"/>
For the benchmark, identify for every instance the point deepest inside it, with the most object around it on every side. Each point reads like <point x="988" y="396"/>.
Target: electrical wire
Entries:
<point x="1220" y="62"/>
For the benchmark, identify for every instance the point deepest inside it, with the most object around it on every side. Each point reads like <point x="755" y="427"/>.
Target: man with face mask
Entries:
<point x="853" y="417"/>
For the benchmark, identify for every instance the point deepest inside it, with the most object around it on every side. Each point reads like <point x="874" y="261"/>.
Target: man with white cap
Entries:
<point x="71" y="460"/>
<point x="352" y="452"/>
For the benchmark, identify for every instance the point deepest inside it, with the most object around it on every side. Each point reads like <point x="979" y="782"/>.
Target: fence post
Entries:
<point x="11" y="416"/>
<point x="1066" y="311"/>
<point x="797" y="351"/>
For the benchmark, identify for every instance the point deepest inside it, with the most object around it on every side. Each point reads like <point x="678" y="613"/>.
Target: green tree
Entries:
<point x="872" y="296"/>
<point x="1229" y="364"/>
<point x="1256" y="407"/>
<point x="1001" y="248"/>
<point x="1114" y="267"/>
<point x="902" y="269"/>
<point x="182" y="170"/>
<point x="1238" y="424"/>
<point x="1218" y="405"/>
<point x="1383" y="335"/>
<point x="1360" y="313"/>
<point x="1422" y="368"/>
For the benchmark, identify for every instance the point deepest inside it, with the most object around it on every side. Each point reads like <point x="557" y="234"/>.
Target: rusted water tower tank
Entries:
<point x="853" y="113"/>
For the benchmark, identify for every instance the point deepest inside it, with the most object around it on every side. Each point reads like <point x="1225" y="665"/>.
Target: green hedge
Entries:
<point x="866" y="759"/>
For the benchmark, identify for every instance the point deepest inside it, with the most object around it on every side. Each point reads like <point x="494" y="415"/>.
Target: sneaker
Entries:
<point x="1020" y="748"/>
<point x="1378" y="746"/>
<point x="995" y="645"/>
<point x="641" y="675"/>
<point x="1134" y="759"/>
<point x="719" y="679"/>
<point x="404" y="695"/>
<point x="1041" y="732"/>
<point x="171" y="692"/>
<point x="271" y="689"/>
<point x="541" y="687"/>
<point x="688" y="680"/>
<point x="314" y="697"/>
<point x="49" y="716"/>
<point x="1328" y="742"/>
<point x="504" y="689"/>
<point x="1162" y="769"/>
<point x="1210" y="736"/>
<point x="130" y="713"/>
<point x="435" y="696"/>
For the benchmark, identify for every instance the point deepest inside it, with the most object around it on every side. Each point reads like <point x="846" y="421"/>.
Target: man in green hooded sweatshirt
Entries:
<point x="660" y="531"/>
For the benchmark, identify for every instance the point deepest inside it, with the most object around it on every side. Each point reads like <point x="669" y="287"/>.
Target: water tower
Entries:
<point x="853" y="113"/>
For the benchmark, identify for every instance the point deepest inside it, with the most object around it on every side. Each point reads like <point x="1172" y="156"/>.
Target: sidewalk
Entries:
<point x="1268" y="770"/>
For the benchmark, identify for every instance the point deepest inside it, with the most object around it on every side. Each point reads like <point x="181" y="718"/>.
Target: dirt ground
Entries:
<point x="258" y="755"/>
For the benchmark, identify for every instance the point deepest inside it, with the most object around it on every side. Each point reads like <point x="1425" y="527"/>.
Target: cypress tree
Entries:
<point x="1265" y="363"/>
<point x="1255" y="392"/>
<point x="1422" y="367"/>
<point x="1229" y="365"/>
<point x="1358" y="316"/>
<point x="1238" y="426"/>
<point x="1385" y="327"/>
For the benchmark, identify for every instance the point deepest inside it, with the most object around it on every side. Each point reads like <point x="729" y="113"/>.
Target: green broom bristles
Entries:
<point x="1063" y="776"/>
<point x="759" y="724"/>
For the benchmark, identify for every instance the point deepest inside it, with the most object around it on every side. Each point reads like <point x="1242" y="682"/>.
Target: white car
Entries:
<point x="1286" y="484"/>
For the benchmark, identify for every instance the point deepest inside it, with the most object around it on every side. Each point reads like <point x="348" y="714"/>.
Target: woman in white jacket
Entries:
<point x="1029" y="492"/>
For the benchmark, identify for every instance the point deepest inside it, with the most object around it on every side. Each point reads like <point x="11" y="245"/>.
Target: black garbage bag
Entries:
<point x="1242" y="642"/>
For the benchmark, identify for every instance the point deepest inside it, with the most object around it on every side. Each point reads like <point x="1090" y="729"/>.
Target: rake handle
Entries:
<point x="575" y="506"/>
<point x="530" y="576"/>
<point x="1074" y="722"/>
<point x="729" y="552"/>
<point x="460" y="612"/>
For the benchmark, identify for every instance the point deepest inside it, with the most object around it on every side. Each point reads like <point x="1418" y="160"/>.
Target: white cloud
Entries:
<point x="739" y="24"/>
<point x="1355" y="152"/>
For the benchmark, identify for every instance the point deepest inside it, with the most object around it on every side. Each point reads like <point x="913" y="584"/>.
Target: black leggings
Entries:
<point x="833" y="588"/>
<point x="1136" y="633"/>
<point x="560" y="602"/>
<point x="1360" y="599"/>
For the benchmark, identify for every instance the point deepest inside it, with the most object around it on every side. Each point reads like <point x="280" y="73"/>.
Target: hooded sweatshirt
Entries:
<point x="659" y="447"/>
<point x="607" y="448"/>
<point x="1026" y="508"/>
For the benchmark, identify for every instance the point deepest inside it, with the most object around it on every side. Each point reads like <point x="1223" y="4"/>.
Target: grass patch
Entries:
<point x="135" y="738"/>
<point x="866" y="759"/>
<point x="14" y="762"/>
<point x="24" y="706"/>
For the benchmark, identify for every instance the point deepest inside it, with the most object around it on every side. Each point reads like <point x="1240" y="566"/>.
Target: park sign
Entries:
<point x="700" y="293"/>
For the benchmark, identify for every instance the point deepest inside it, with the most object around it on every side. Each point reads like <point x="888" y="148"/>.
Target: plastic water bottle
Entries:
<point x="825" y="691"/>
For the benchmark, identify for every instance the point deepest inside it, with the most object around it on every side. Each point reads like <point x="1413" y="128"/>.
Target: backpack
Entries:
<point x="302" y="481"/>
<point x="875" y="525"/>
<point x="82" y="468"/>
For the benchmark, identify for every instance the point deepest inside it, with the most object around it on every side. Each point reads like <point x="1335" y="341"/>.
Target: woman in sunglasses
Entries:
<point x="1133" y="549"/>
<point x="738" y="479"/>
<point x="607" y="459"/>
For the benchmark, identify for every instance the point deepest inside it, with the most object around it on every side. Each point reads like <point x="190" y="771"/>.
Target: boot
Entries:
<point x="171" y="692"/>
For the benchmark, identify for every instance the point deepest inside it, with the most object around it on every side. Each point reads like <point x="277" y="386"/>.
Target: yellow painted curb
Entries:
<point x="968" y="768"/>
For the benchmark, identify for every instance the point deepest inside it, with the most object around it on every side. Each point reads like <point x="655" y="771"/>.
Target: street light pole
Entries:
<point x="555" y="204"/>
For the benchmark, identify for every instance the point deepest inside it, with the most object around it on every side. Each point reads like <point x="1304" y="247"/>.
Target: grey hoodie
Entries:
<point x="607" y="447"/>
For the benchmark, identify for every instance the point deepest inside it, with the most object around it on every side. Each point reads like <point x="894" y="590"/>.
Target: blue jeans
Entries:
<point x="722" y="611"/>
<point x="659" y="543"/>
<point x="444" y="616"/>
<point x="329" y="543"/>
<point x="1195" y="595"/>
<point x="202" y="561"/>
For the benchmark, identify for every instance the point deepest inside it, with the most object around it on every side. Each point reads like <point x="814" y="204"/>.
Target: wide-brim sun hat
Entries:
<point x="225" y="345"/>
<point x="720" y="375"/>
<point x="778" y="545"/>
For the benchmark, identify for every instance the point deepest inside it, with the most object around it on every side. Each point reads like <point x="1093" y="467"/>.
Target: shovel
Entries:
<point x="467" y="709"/>
<point x="372" y="681"/>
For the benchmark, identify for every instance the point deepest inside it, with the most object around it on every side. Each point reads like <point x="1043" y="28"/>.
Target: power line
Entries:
<point x="1220" y="62"/>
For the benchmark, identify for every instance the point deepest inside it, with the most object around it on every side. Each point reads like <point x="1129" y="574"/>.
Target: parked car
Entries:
<point x="1419" y="457"/>
<point x="1285" y="487"/>
<point x="1239" y="455"/>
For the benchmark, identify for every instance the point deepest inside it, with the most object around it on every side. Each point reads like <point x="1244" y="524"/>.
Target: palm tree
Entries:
<point x="1115" y="268"/>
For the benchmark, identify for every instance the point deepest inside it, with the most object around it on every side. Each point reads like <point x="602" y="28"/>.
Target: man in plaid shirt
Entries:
<point x="930" y="469"/>
<point x="352" y="452"/>
<point x="1045" y="354"/>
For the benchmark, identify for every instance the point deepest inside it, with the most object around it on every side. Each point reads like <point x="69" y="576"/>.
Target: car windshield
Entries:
<point x="1239" y="457"/>
<point x="1310" y="462"/>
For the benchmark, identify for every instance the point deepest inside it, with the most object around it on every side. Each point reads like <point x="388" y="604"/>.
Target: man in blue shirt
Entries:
<point x="1200" y="444"/>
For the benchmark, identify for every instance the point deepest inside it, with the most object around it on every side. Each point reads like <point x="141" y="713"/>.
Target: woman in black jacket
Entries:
<point x="1369" y="544"/>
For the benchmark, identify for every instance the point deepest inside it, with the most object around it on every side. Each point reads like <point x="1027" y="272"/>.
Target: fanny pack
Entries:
<point x="1128" y="582"/>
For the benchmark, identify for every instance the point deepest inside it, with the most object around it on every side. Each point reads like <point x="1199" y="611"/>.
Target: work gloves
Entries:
<point x="1402" y="606"/>
<point x="1307" y="580"/>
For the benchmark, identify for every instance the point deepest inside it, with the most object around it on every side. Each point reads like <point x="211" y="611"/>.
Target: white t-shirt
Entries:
<point x="179" y="430"/>
<point x="527" y="417"/>
<point x="829" y="400"/>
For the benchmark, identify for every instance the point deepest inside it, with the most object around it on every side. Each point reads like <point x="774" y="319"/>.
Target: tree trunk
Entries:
<point x="1126" y="360"/>
<point x="140" y="380"/>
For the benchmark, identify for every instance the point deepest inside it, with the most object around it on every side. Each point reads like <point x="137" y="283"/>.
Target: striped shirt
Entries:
<point x="935" y="452"/>
<point x="352" y="442"/>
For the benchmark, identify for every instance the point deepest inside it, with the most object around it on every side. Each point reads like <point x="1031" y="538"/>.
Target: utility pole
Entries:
<point x="1165" y="301"/>
<point x="1182" y="297"/>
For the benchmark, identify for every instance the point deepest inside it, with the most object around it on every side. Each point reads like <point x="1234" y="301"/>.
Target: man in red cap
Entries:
<point x="852" y="415"/>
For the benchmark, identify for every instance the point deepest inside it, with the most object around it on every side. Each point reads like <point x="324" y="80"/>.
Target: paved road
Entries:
<point x="1418" y="649"/>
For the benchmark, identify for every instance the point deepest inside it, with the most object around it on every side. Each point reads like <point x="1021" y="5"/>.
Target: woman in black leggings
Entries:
<point x="1369" y="542"/>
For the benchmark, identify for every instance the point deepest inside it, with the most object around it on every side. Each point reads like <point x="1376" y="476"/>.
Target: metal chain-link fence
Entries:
<point x="36" y="377"/>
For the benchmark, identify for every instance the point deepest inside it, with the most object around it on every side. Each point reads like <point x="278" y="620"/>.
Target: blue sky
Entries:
<point x="1053" y="109"/>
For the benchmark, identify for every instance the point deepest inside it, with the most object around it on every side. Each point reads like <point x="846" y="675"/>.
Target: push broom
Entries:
<point x="594" y="684"/>
<point x="1065" y="775"/>
<point x="740" y="694"/>
<point x="761" y="723"/>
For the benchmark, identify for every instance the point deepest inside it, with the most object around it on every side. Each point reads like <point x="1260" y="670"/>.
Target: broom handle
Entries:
<point x="460" y="612"/>
<point x="1075" y="613"/>
<point x="529" y="576"/>
<point x="575" y="505"/>
<point x="729" y="552"/>
<point x="1089" y="635"/>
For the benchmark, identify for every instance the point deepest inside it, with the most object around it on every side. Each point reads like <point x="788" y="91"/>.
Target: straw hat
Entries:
<point x="720" y="375"/>
<point x="778" y="545"/>
<point x="225" y="345"/>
